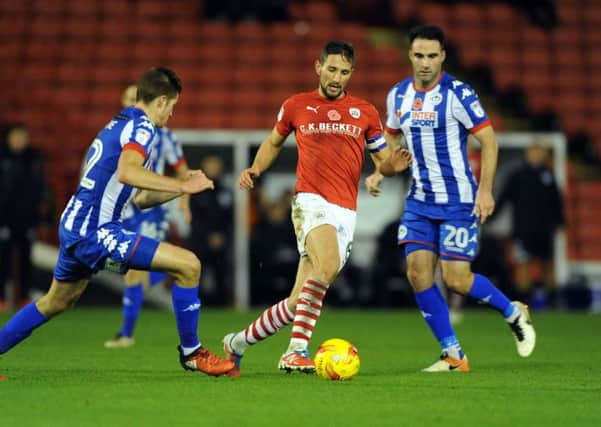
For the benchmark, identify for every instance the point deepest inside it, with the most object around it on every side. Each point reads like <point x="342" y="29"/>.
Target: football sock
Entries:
<point x="268" y="323"/>
<point x="486" y="293"/>
<point x="308" y="309"/>
<point x="436" y="313"/>
<point x="156" y="277"/>
<point x="133" y="297"/>
<point x="20" y="326"/>
<point x="186" y="306"/>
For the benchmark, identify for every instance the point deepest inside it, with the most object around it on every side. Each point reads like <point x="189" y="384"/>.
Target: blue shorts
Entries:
<point x="110" y="247"/>
<point x="454" y="239"/>
<point x="150" y="222"/>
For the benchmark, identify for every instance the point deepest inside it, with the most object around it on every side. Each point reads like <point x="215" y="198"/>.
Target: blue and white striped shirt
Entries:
<point x="100" y="197"/>
<point x="436" y="124"/>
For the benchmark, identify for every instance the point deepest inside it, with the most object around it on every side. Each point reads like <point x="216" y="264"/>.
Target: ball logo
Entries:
<point x="281" y="113"/>
<point x="354" y="112"/>
<point x="402" y="232"/>
<point x="334" y="115"/>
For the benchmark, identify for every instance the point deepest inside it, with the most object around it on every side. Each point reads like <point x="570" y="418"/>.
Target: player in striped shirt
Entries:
<point x="435" y="113"/>
<point x="91" y="233"/>
<point x="151" y="222"/>
<point x="332" y="128"/>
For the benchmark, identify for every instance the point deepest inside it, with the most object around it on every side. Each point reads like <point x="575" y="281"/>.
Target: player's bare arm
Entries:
<point x="372" y="182"/>
<point x="268" y="151"/>
<point x="181" y="172"/>
<point x="485" y="202"/>
<point x="195" y="182"/>
<point x="130" y="171"/>
<point x="396" y="161"/>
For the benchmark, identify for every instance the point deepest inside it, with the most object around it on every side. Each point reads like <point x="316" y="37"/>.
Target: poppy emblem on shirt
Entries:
<point x="354" y="112"/>
<point x="418" y="104"/>
<point x="334" y="115"/>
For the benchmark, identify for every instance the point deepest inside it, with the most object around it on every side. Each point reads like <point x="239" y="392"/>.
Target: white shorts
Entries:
<point x="311" y="210"/>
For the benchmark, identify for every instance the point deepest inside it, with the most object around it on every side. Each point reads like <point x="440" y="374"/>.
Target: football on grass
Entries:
<point x="337" y="359"/>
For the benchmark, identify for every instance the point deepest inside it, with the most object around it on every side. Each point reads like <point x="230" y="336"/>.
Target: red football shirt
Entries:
<point x="331" y="137"/>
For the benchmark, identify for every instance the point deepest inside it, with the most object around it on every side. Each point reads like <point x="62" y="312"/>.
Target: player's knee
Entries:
<point x="327" y="270"/>
<point x="327" y="273"/>
<point x="419" y="278"/>
<point x="190" y="268"/>
<point x="457" y="282"/>
<point x="52" y="305"/>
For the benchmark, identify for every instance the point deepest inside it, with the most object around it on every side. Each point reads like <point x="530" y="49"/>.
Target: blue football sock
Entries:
<point x="484" y="291"/>
<point x="23" y="323"/>
<point x="133" y="297"/>
<point x="436" y="313"/>
<point x="186" y="305"/>
<point x="156" y="277"/>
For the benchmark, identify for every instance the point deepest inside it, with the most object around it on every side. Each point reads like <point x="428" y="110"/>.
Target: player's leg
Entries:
<point x="268" y="323"/>
<point x="60" y="297"/>
<point x="184" y="267"/>
<point x="323" y="249"/>
<point x="136" y="282"/>
<point x="431" y="303"/>
<point x="459" y="277"/>
<point x="459" y="246"/>
<point x="420" y="235"/>
<point x="454" y="300"/>
<point x="154" y="225"/>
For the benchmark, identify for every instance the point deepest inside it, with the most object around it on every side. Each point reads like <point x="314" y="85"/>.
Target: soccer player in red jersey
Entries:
<point x="331" y="128"/>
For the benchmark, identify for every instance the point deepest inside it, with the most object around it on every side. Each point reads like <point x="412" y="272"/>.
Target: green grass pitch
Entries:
<point x="62" y="375"/>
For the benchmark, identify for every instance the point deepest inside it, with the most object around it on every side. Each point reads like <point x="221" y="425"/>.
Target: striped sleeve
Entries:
<point x="393" y="125"/>
<point x="467" y="108"/>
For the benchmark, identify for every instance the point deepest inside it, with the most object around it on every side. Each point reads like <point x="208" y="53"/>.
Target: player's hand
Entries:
<point x="196" y="182"/>
<point x="372" y="183"/>
<point x="485" y="205"/>
<point x="400" y="159"/>
<point x="247" y="176"/>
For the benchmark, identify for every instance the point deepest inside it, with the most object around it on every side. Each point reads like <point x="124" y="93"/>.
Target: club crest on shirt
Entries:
<point x="354" y="112"/>
<point x="436" y="99"/>
<point x="334" y="115"/>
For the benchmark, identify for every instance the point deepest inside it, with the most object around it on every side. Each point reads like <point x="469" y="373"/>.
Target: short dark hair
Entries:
<point x="338" y="47"/>
<point x="427" y="32"/>
<point x="156" y="82"/>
